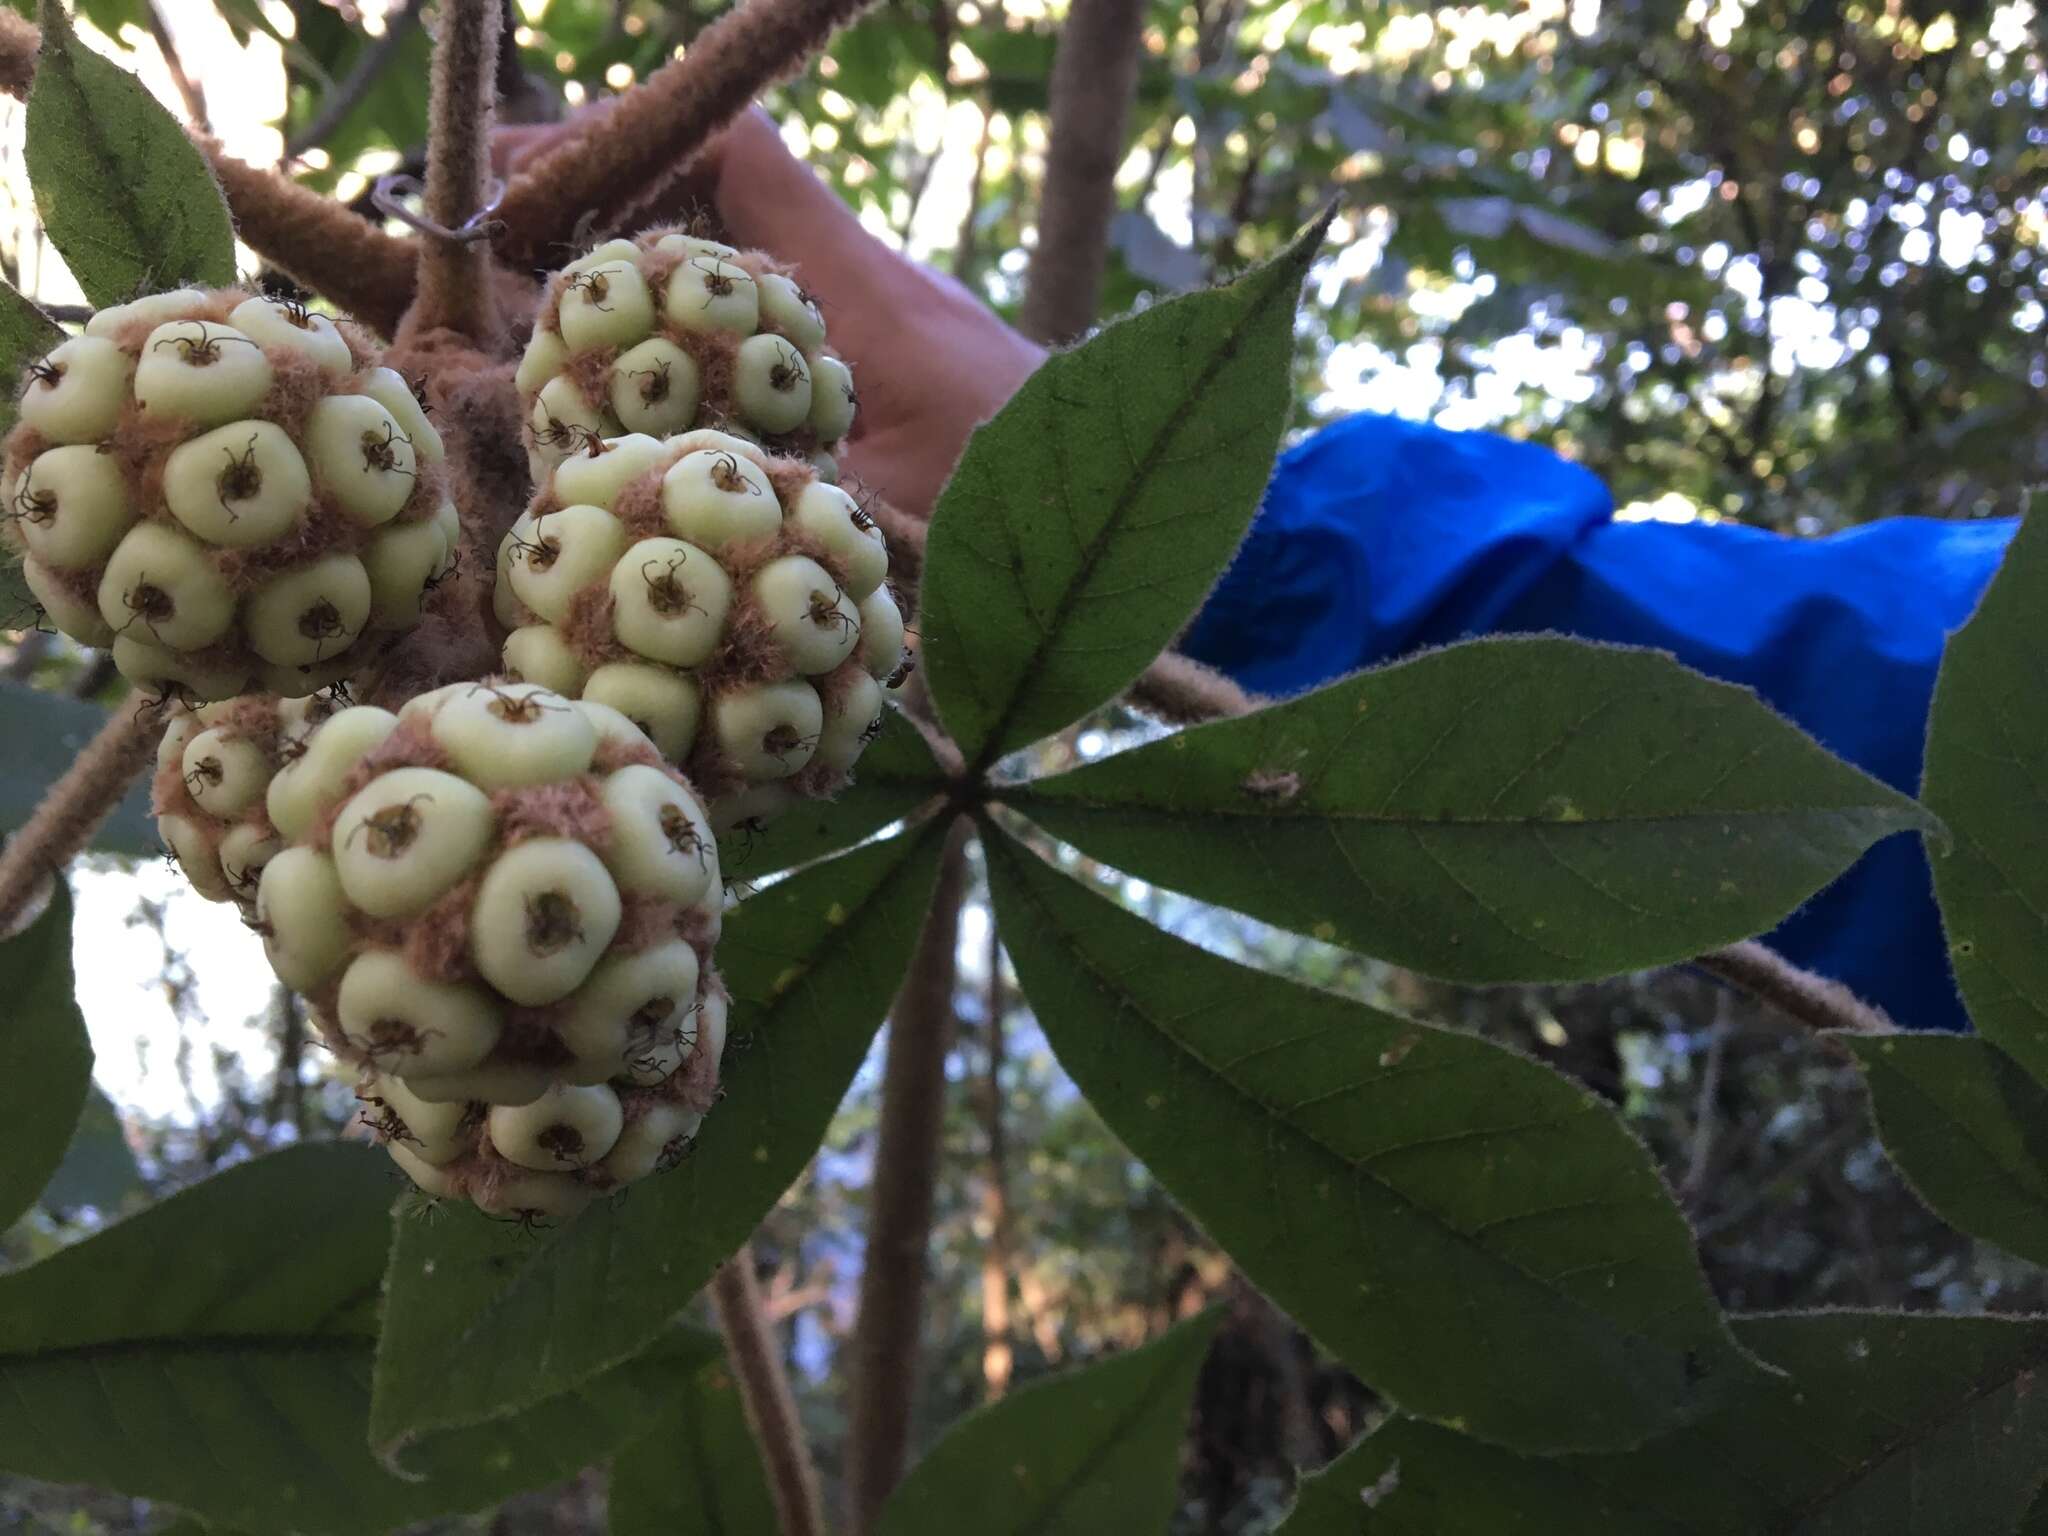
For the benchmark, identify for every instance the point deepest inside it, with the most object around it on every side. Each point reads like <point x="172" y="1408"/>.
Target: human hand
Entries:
<point x="930" y="361"/>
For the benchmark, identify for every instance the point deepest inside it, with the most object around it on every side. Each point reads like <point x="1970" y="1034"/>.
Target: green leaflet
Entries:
<point x="1087" y="521"/>
<point x="1476" y="1236"/>
<point x="699" y="1473"/>
<point x="1502" y="810"/>
<point x="45" y="1057"/>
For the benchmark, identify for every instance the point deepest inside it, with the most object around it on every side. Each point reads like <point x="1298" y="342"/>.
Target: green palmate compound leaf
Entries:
<point x="44" y="733"/>
<point x="896" y="776"/>
<point x="1885" y="1425"/>
<point x="1987" y="778"/>
<point x="1088" y="520"/>
<point x="698" y="1473"/>
<point x="124" y="195"/>
<point x="1092" y="1449"/>
<point x="1472" y="1233"/>
<point x="1969" y="1129"/>
<point x="26" y="333"/>
<point x="1503" y="810"/>
<point x="476" y="1326"/>
<point x="45" y="1057"/>
<point x="215" y="1351"/>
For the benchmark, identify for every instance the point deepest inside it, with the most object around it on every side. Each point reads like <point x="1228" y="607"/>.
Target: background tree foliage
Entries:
<point x="1779" y="261"/>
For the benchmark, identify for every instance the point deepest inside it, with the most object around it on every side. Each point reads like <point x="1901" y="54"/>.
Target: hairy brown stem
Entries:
<point x="19" y="41"/>
<point x="76" y="804"/>
<point x="456" y="292"/>
<point x="1182" y="691"/>
<point x="1094" y="77"/>
<point x="886" y="1338"/>
<point x="764" y="1393"/>
<point x="633" y="149"/>
<point x="1799" y="994"/>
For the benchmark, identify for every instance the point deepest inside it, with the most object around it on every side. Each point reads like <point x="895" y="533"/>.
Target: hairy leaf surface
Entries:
<point x="477" y="1325"/>
<point x="1472" y="1233"/>
<point x="1087" y="521"/>
<point x="699" y="1473"/>
<point x="1886" y="1425"/>
<point x="1096" y="1448"/>
<point x="122" y="192"/>
<point x="1502" y="810"/>
<point x="45" y="1057"/>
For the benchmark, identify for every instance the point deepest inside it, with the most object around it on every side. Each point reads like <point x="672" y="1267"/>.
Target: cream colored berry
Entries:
<point x="151" y="309"/>
<point x="695" y="245"/>
<point x="545" y="356"/>
<point x="406" y="1023"/>
<point x="633" y="1006"/>
<point x="653" y="1140"/>
<point x="881" y="634"/>
<point x="545" y="911"/>
<point x="294" y="328"/>
<point x="183" y="725"/>
<point x="244" y="851"/>
<point x="494" y="1082"/>
<point x="505" y="605"/>
<point x="401" y="560"/>
<point x="825" y="466"/>
<point x="433" y="1181"/>
<point x="407" y="836"/>
<point x="655" y="387"/>
<point x="70" y="613"/>
<point x="361" y="457"/>
<point x="711" y="1025"/>
<point x="195" y="854"/>
<point x="669" y="601"/>
<point x="832" y="398"/>
<point x="303" y="917"/>
<point x="597" y="474"/>
<point x="225" y="774"/>
<point x="853" y="718"/>
<point x="738" y="817"/>
<point x="200" y="371"/>
<point x="437" y="1133"/>
<point x="423" y="705"/>
<point x="785" y="308"/>
<point x="309" y="782"/>
<point x="387" y="386"/>
<point x="70" y="507"/>
<point x="769" y="731"/>
<point x="160" y="587"/>
<point x="847" y="534"/>
<point x="613" y="728"/>
<point x="562" y="552"/>
<point x="533" y="1198"/>
<point x="308" y="615"/>
<point x="605" y="305"/>
<point x="537" y="653"/>
<point x="771" y="384"/>
<point x="663" y="703"/>
<point x="604" y="254"/>
<point x="238" y="485"/>
<point x="569" y="1126"/>
<point x="707" y="294"/>
<point x="154" y="669"/>
<point x="661" y="843"/>
<point x="75" y="394"/>
<point x="500" y="735"/>
<point x="810" y="620"/>
<point x="715" y="497"/>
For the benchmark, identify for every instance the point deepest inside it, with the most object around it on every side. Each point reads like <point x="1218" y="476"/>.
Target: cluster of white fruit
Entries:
<point x="502" y="906"/>
<point x="667" y="331"/>
<point x="228" y="491"/>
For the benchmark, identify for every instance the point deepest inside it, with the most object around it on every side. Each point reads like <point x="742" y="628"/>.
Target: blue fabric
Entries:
<point x="1380" y="536"/>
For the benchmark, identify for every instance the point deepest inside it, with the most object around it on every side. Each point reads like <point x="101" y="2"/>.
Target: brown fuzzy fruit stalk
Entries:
<point x="666" y="332"/>
<point x="731" y="603"/>
<point x="214" y="769"/>
<point x="502" y="906"/>
<point x="227" y="490"/>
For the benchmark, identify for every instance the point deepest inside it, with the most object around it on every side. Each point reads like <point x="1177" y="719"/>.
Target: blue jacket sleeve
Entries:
<point x="1380" y="536"/>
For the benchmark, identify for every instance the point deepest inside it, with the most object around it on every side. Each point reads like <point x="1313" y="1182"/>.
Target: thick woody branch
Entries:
<point x="1799" y="994"/>
<point x="76" y="804"/>
<point x="314" y="239"/>
<point x="631" y="150"/>
<point x="765" y="1395"/>
<point x="456" y="292"/>
<point x="1094" y="77"/>
<point x="887" y="1337"/>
